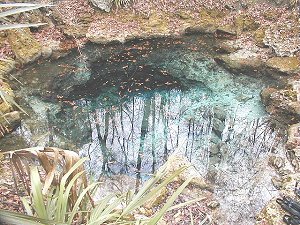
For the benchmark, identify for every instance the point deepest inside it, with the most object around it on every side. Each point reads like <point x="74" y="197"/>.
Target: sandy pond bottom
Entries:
<point x="127" y="107"/>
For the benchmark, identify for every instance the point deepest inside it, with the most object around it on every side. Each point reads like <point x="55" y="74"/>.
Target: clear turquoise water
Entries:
<point x="128" y="107"/>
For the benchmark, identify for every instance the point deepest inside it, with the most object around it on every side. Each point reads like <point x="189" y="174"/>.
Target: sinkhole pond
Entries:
<point x="127" y="107"/>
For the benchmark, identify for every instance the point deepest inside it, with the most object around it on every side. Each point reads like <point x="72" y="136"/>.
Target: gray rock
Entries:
<point x="176" y="161"/>
<point x="214" y="149"/>
<point x="103" y="4"/>
<point x="220" y="113"/>
<point x="218" y="126"/>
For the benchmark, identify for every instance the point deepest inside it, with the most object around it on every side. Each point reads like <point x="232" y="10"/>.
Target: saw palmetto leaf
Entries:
<point x="18" y="26"/>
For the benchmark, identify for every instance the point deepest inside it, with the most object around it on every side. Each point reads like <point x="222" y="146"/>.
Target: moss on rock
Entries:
<point x="24" y="45"/>
<point x="283" y="65"/>
<point x="9" y="122"/>
<point x="259" y="36"/>
<point x="245" y="23"/>
<point x="6" y="66"/>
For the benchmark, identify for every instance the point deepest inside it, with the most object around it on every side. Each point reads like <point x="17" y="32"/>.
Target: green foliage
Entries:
<point x="16" y="9"/>
<point x="55" y="207"/>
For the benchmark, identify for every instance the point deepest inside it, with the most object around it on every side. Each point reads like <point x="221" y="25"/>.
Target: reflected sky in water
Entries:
<point x="128" y="107"/>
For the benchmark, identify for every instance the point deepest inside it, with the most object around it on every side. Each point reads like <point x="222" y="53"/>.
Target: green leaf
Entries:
<point x="37" y="196"/>
<point x="97" y="211"/>
<point x="80" y="198"/>
<point x="19" y="218"/>
<point x="26" y="206"/>
<point x="145" y="194"/>
<point x="62" y="201"/>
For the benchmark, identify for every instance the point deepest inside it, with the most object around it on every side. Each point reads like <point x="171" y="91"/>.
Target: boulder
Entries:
<point x="226" y="31"/>
<point x="293" y="136"/>
<point x="156" y="24"/>
<point x="242" y="61"/>
<point x="209" y="20"/>
<point x="9" y="122"/>
<point x="225" y="47"/>
<point x="5" y="106"/>
<point x="282" y="104"/>
<point x="245" y="23"/>
<point x="277" y="66"/>
<point x="271" y="214"/>
<point x="6" y="66"/>
<point x="283" y="38"/>
<point x="202" y="28"/>
<point x="259" y="36"/>
<point x="218" y="126"/>
<point x="175" y="162"/>
<point x="24" y="45"/>
<point x="103" y="4"/>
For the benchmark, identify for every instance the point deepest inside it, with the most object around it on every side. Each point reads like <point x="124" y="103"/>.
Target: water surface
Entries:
<point x="127" y="107"/>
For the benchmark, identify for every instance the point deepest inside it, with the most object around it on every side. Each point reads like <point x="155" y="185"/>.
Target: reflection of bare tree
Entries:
<point x="138" y="134"/>
<point x="164" y="117"/>
<point x="50" y="128"/>
<point x="103" y="139"/>
<point x="153" y="136"/>
<point x="144" y="131"/>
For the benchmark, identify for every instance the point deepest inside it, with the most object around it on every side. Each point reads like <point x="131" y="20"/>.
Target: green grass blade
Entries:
<point x="169" y="203"/>
<point x="26" y="206"/>
<point x="74" y="167"/>
<point x="146" y="187"/>
<point x="19" y="218"/>
<point x="80" y="198"/>
<point x="96" y="212"/>
<point x="64" y="198"/>
<point x="51" y="203"/>
<point x="37" y="196"/>
<point x="147" y="194"/>
<point x="104" y="218"/>
<point x="62" y="201"/>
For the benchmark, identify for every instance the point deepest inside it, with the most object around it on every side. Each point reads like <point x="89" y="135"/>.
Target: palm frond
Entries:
<point x="21" y="10"/>
<point x="18" y="26"/>
<point x="56" y="164"/>
<point x="19" y="218"/>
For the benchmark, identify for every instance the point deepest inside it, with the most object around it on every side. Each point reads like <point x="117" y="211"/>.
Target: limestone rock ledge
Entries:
<point x="283" y="66"/>
<point x="6" y="66"/>
<point x="282" y="103"/>
<point x="272" y="213"/>
<point x="26" y="48"/>
<point x="9" y="122"/>
<point x="241" y="61"/>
